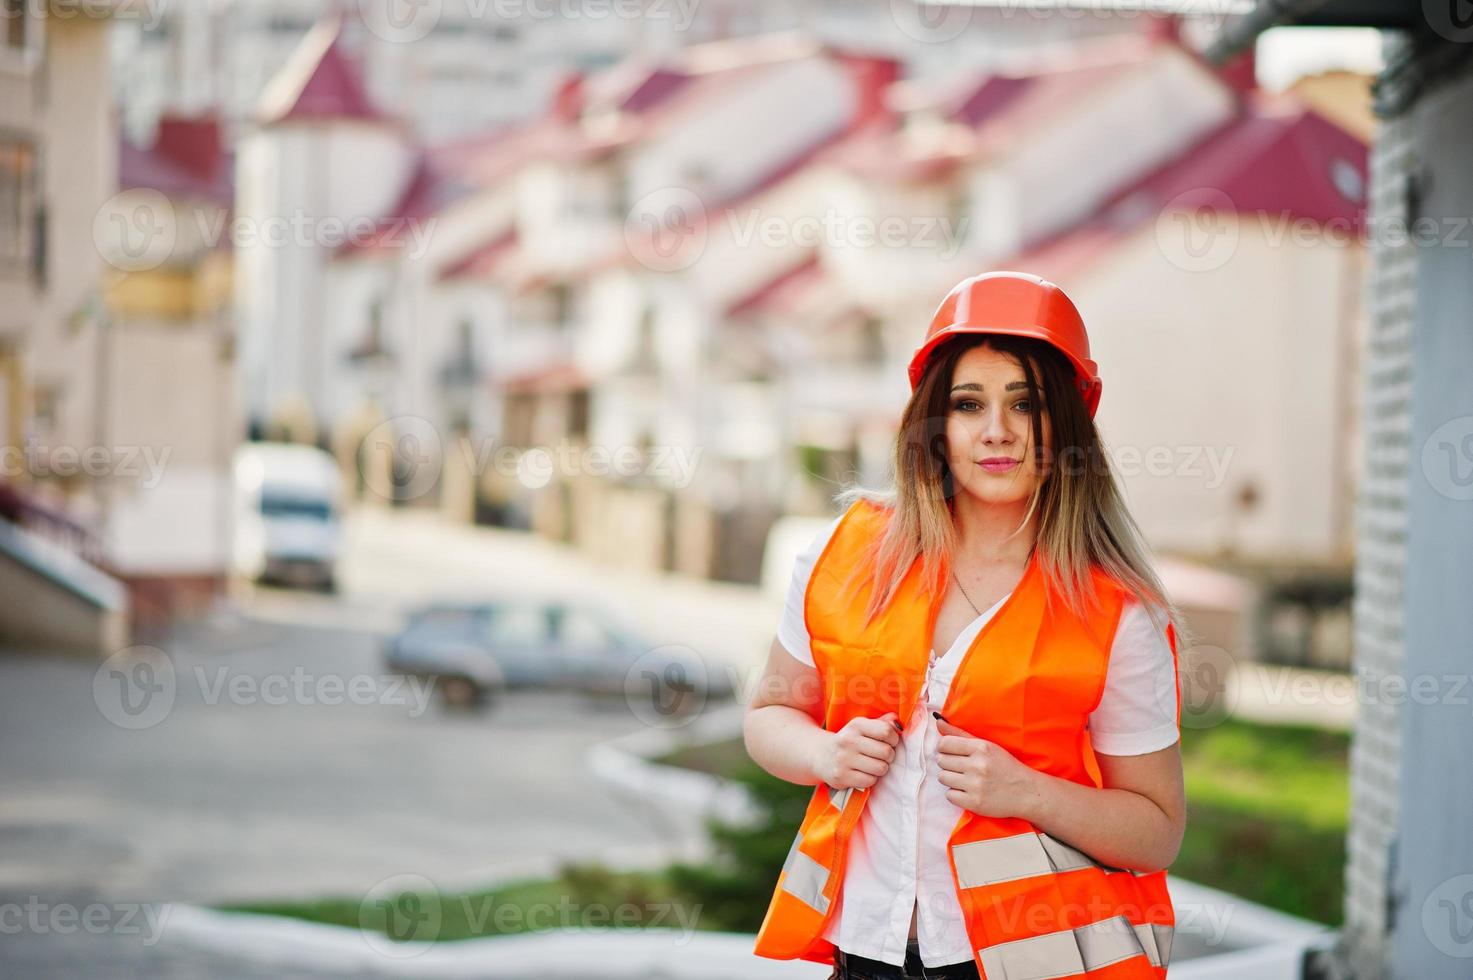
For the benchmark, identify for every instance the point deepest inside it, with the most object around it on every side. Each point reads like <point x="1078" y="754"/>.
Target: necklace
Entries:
<point x="964" y="592"/>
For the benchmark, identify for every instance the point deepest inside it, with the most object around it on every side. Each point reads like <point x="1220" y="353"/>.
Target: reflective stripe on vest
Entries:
<point x="988" y="862"/>
<point x="1070" y="952"/>
<point x="803" y="877"/>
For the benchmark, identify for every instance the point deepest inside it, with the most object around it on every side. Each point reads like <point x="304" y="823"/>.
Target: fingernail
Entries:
<point x="897" y="726"/>
<point x="937" y="714"/>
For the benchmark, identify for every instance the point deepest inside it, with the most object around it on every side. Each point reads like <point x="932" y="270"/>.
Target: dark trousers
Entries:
<point x="847" y="966"/>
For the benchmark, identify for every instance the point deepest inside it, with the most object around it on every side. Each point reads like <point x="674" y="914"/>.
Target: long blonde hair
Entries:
<point x="1083" y="521"/>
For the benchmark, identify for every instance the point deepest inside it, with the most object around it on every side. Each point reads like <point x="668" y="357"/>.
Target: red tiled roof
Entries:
<point x="1278" y="158"/>
<point x="483" y="261"/>
<point x="431" y="188"/>
<point x="778" y="292"/>
<point x="319" y="81"/>
<point x="990" y="98"/>
<point x="880" y="151"/>
<point x="187" y="159"/>
<point x="659" y="85"/>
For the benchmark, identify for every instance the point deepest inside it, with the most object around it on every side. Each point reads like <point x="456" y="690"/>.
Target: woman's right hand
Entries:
<point x="858" y="754"/>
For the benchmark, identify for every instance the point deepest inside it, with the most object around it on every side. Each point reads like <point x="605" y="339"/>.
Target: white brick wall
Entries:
<point x="1380" y="564"/>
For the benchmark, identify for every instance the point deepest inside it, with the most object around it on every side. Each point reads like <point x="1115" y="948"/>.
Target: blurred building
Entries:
<point x="459" y="67"/>
<point x="58" y="165"/>
<point x="167" y="370"/>
<point x="675" y="258"/>
<point x="1409" y="869"/>
<point x="319" y="163"/>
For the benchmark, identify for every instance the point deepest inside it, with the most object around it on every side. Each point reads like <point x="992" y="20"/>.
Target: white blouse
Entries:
<point x="897" y="854"/>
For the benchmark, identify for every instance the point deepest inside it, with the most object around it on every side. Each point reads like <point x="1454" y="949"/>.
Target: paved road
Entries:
<point x="287" y="765"/>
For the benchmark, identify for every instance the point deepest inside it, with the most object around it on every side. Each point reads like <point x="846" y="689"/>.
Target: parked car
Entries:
<point x="287" y="514"/>
<point x="478" y="650"/>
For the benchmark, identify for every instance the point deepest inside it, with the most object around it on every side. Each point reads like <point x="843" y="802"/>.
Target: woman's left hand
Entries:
<point x="982" y="776"/>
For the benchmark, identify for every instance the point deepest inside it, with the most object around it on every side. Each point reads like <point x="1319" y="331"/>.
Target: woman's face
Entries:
<point x="991" y="419"/>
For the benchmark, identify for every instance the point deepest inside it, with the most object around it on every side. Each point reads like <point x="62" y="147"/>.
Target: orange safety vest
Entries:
<point x="1034" y="906"/>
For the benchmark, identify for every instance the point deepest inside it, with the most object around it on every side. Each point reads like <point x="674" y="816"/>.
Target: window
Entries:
<point x="580" y="631"/>
<point x="517" y="626"/>
<point x="276" y="504"/>
<point x="17" y="24"/>
<point x="446" y="619"/>
<point x="18" y="222"/>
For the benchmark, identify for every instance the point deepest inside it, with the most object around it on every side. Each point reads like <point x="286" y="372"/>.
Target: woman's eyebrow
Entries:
<point x="977" y="386"/>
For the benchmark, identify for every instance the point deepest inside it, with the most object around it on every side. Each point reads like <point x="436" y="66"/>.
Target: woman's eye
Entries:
<point x="1026" y="405"/>
<point x="966" y="405"/>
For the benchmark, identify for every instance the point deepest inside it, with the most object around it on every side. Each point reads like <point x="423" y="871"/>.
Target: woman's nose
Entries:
<point x="995" y="427"/>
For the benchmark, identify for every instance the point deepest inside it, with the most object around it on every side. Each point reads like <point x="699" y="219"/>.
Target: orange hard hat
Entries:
<point x="1019" y="304"/>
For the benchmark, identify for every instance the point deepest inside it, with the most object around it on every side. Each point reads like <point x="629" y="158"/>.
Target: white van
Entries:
<point x="288" y="521"/>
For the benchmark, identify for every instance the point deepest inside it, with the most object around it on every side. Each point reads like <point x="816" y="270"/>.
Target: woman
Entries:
<point x="977" y="673"/>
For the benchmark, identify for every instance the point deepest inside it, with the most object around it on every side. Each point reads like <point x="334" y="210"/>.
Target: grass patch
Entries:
<point x="717" y="758"/>
<point x="1267" y="809"/>
<point x="581" y="896"/>
<point x="1266" y="815"/>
